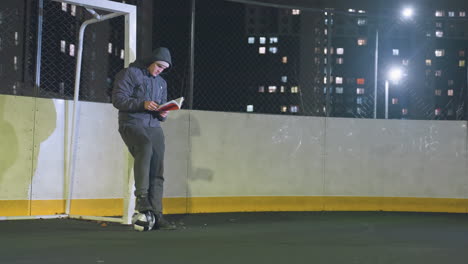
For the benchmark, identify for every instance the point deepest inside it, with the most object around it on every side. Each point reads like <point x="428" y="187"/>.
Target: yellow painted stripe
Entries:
<point x="47" y="207"/>
<point x="14" y="207"/>
<point x="114" y="207"/>
<point x="97" y="207"/>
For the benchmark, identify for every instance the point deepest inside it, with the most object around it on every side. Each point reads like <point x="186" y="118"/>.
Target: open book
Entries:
<point x="175" y="104"/>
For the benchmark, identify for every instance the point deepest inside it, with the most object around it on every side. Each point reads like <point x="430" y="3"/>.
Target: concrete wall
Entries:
<point x="233" y="162"/>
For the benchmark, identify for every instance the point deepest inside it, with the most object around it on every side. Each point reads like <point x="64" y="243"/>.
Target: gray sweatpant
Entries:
<point x="146" y="144"/>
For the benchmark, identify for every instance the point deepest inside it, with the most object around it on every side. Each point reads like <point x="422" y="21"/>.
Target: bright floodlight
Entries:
<point x="407" y="12"/>
<point x="395" y="74"/>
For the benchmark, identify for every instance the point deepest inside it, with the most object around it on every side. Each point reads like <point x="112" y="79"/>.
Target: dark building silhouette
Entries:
<point x="256" y="58"/>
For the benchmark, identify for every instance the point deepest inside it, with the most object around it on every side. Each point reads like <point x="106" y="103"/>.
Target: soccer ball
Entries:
<point x="143" y="221"/>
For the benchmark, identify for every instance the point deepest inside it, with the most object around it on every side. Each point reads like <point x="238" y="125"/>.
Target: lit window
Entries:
<point x="462" y="13"/>
<point x="294" y="89"/>
<point x="284" y="79"/>
<point x="251" y="40"/>
<point x="360" y="81"/>
<point x="339" y="80"/>
<point x="439" y="33"/>
<point x="352" y="10"/>
<point x="273" y="50"/>
<point x="359" y="100"/>
<point x="340" y="51"/>
<point x="262" y="40"/>
<point x="450" y="82"/>
<point x="361" y="11"/>
<point x="438" y="73"/>
<point x="272" y="89"/>
<point x="282" y="89"/>
<point x="394" y="100"/>
<point x="361" y="21"/>
<point x="325" y="80"/>
<point x="439" y="13"/>
<point x="63" y="46"/>
<point x="261" y="89"/>
<point x="362" y="41"/>
<point x="428" y="62"/>
<point x="405" y="62"/>
<point x="360" y="90"/>
<point x="461" y="63"/>
<point x="64" y="7"/>
<point x="461" y="53"/>
<point x="122" y="54"/>
<point x="439" y="52"/>
<point x="250" y="108"/>
<point x="294" y="108"/>
<point x="359" y="110"/>
<point x="284" y="60"/>
<point x="296" y="12"/>
<point x="325" y="32"/>
<point x="273" y="40"/>
<point x="339" y="61"/>
<point x="438" y="92"/>
<point x="72" y="50"/>
<point x="109" y="48"/>
<point x="326" y="21"/>
<point x="438" y="111"/>
<point x="73" y="10"/>
<point x="339" y="90"/>
<point x="451" y="14"/>
<point x="404" y="111"/>
<point x="261" y="50"/>
<point x="450" y="92"/>
<point x="325" y="51"/>
<point x="284" y="108"/>
<point x="396" y="52"/>
<point x="15" y="61"/>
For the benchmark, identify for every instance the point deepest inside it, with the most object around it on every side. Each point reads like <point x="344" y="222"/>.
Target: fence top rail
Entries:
<point x="106" y="5"/>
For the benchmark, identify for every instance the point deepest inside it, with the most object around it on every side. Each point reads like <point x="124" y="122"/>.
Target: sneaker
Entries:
<point x="162" y="223"/>
<point x="142" y="204"/>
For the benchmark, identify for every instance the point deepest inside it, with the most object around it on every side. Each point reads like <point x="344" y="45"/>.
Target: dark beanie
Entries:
<point x="160" y="54"/>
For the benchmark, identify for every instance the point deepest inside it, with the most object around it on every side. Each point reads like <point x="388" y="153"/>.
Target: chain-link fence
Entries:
<point x="42" y="50"/>
<point x="323" y="61"/>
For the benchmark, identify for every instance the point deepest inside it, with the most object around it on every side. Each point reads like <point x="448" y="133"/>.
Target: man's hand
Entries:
<point x="164" y="113"/>
<point x="151" y="106"/>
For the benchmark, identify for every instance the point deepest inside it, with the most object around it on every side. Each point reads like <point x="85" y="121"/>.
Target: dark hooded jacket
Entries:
<point x="135" y="85"/>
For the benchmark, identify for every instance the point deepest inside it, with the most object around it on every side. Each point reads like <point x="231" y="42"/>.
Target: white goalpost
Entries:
<point x="110" y="10"/>
<point x="115" y="9"/>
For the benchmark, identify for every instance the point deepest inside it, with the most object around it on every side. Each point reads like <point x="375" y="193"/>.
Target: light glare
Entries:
<point x="407" y="12"/>
<point x="395" y="74"/>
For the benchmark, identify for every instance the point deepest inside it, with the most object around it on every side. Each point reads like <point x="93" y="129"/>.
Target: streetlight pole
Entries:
<point x="376" y="71"/>
<point x="395" y="74"/>
<point x="386" y="98"/>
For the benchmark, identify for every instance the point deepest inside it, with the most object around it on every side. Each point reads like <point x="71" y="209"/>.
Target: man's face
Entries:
<point x="157" y="67"/>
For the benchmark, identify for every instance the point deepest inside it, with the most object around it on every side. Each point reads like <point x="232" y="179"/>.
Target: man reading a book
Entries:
<point x="137" y="93"/>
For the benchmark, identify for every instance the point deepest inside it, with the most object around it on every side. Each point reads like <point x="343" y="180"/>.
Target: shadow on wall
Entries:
<point x="30" y="163"/>
<point x="8" y="142"/>
<point x="48" y="154"/>
<point x="195" y="174"/>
